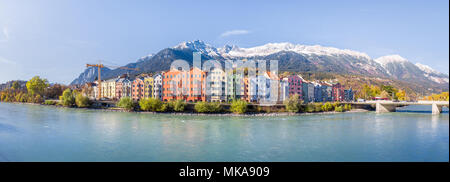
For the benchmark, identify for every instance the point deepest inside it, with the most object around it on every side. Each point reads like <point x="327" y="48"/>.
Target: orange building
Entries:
<point x="185" y="85"/>
<point x="137" y="89"/>
<point x="171" y="85"/>
<point x="196" y="85"/>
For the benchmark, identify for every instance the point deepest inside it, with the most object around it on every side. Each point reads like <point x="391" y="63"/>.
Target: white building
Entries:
<point x="157" y="86"/>
<point x="216" y="86"/>
<point x="284" y="90"/>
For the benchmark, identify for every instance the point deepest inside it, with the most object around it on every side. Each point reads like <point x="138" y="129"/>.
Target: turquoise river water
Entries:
<point x="45" y="133"/>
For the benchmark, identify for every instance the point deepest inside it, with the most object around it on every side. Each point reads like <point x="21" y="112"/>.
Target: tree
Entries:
<point x="179" y="105"/>
<point x="126" y="103"/>
<point x="67" y="98"/>
<point x="327" y="107"/>
<point x="401" y="95"/>
<point x="293" y="103"/>
<point x="204" y="107"/>
<point x="150" y="104"/>
<point x="375" y="90"/>
<point x="54" y="91"/>
<point x="37" y="85"/>
<point x="238" y="106"/>
<point x="81" y="100"/>
<point x="339" y="109"/>
<point x="389" y="89"/>
<point x="15" y="85"/>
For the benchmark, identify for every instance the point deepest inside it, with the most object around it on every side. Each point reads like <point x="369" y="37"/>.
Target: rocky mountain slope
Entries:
<point x="293" y="58"/>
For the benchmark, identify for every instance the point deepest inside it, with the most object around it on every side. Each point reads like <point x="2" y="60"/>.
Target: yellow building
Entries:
<point x="148" y="87"/>
<point x="109" y="88"/>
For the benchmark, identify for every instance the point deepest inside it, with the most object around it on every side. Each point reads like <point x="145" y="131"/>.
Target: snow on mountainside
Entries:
<point x="390" y="59"/>
<point x="426" y="69"/>
<point x="401" y="68"/>
<point x="272" y="48"/>
<point x="200" y="46"/>
<point x="433" y="74"/>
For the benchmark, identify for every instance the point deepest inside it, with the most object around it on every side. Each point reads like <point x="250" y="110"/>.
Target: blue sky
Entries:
<point x="56" y="38"/>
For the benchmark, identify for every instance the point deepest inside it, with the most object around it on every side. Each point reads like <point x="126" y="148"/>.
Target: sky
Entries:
<point x="56" y="38"/>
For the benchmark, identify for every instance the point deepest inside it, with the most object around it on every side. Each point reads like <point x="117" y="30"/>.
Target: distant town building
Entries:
<point x="338" y="92"/>
<point x="197" y="85"/>
<point x="171" y="85"/>
<point x="137" y="89"/>
<point x="157" y="86"/>
<point x="216" y="86"/>
<point x="318" y="97"/>
<point x="305" y="91"/>
<point x="295" y="85"/>
<point x="310" y="92"/>
<point x="284" y="89"/>
<point x="348" y="95"/>
<point x="148" y="87"/>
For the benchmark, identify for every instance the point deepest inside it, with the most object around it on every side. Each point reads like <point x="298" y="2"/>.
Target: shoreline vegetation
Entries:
<point x="187" y="113"/>
<point x="38" y="91"/>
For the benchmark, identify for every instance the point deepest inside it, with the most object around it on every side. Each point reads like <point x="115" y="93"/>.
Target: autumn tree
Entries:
<point x="15" y="85"/>
<point x="54" y="91"/>
<point x="37" y="85"/>
<point x="401" y="95"/>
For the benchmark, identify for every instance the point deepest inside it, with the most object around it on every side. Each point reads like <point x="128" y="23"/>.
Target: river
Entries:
<point x="46" y="133"/>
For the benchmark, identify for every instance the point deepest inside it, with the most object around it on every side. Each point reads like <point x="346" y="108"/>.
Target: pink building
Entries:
<point x="338" y="92"/>
<point x="295" y="85"/>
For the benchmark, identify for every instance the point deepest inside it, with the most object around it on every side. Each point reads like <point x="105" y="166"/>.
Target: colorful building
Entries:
<point x="186" y="85"/>
<point x="231" y="86"/>
<point x="197" y="85"/>
<point x="284" y="89"/>
<point x="157" y="86"/>
<point x="148" y="87"/>
<point x="109" y="88"/>
<point x="305" y="91"/>
<point x="318" y="96"/>
<point x="295" y="85"/>
<point x="119" y="88"/>
<point x="338" y="92"/>
<point x="215" y="90"/>
<point x="348" y="95"/>
<point x="171" y="85"/>
<point x="137" y="89"/>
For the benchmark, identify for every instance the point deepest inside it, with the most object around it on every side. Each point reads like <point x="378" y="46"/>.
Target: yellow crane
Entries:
<point x="100" y="66"/>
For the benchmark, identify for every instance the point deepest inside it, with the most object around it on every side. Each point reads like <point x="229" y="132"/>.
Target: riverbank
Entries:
<point x="199" y="114"/>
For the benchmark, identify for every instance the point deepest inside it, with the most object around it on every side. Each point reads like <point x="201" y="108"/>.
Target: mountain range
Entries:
<point x="292" y="58"/>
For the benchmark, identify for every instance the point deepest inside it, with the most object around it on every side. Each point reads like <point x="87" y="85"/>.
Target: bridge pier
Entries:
<point x="381" y="108"/>
<point x="435" y="109"/>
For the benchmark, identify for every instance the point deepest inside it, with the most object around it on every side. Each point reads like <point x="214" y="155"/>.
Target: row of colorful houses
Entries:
<point x="314" y="91"/>
<point x="217" y="85"/>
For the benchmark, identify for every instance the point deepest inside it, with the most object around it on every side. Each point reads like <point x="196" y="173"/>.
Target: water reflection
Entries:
<point x="61" y="134"/>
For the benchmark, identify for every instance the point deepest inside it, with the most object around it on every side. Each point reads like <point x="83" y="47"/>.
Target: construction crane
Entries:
<point x="100" y="66"/>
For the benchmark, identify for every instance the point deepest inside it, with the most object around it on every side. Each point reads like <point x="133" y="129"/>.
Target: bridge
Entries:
<point x="389" y="106"/>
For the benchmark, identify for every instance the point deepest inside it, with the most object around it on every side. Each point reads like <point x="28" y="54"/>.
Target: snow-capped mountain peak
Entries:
<point x="390" y="59"/>
<point x="272" y="48"/>
<point x="145" y="57"/>
<point x="227" y="48"/>
<point x="198" y="45"/>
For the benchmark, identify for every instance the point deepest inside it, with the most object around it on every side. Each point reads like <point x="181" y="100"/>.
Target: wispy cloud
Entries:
<point x="6" y="61"/>
<point x="234" y="32"/>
